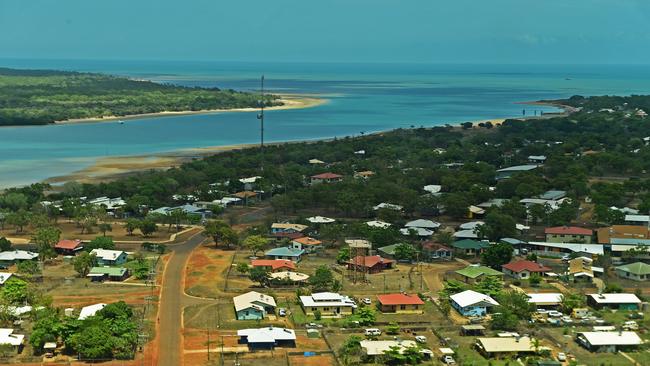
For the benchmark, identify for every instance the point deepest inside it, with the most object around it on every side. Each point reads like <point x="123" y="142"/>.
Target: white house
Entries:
<point x="328" y="303"/>
<point x="7" y="336"/>
<point x="608" y="341"/>
<point x="378" y="224"/>
<point x="472" y="303"/>
<point x="90" y="310"/>
<point x="545" y="299"/>
<point x="388" y="206"/>
<point x="107" y="257"/>
<point x="267" y="338"/>
<point x="253" y="305"/>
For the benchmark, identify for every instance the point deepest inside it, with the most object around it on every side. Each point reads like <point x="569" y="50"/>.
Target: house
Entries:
<point x="274" y="265"/>
<point x="285" y="227"/>
<point x="508" y="172"/>
<point x="320" y="220"/>
<point x="315" y="162"/>
<point x="68" y="247"/>
<point x="107" y="257"/>
<point x="423" y="224"/>
<point x="607" y="235"/>
<point x="637" y="271"/>
<point x="99" y="274"/>
<point x="401" y="303"/>
<point x="7" y="337"/>
<point x="561" y="249"/>
<point x="388" y="206"/>
<point x="12" y="257"/>
<point x="253" y="306"/>
<point x="568" y="234"/>
<point x="502" y="347"/>
<point x="434" y="251"/>
<point x="309" y="245"/>
<point x="553" y="195"/>
<point x="637" y="220"/>
<point x="4" y="277"/>
<point x="369" y="264"/>
<point x="280" y="236"/>
<point x="267" y="338"/>
<point x="472" y="303"/>
<point x="621" y="301"/>
<point x="328" y="304"/>
<point x="326" y="178"/>
<point x="294" y="255"/>
<point x="469" y="247"/>
<point x="378" y="348"/>
<point x="378" y="224"/>
<point x="523" y="269"/>
<point x="581" y="268"/>
<point x="109" y="204"/>
<point x="190" y="210"/>
<point x="475" y="212"/>
<point x="475" y="273"/>
<point x="465" y="234"/>
<point x="433" y="189"/>
<point x="388" y="251"/>
<point x="418" y="231"/>
<point x="366" y="174"/>
<point x="90" y="310"/>
<point x="247" y="196"/>
<point x="536" y="159"/>
<point x="545" y="300"/>
<point x="608" y="341"/>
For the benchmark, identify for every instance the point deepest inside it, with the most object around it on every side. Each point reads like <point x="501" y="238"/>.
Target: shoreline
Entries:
<point x="290" y="101"/>
<point x="116" y="167"/>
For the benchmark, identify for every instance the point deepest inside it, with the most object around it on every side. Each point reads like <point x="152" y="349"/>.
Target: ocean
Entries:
<point x="362" y="98"/>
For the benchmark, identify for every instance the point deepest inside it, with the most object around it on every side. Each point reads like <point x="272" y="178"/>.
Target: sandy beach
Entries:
<point x="289" y="101"/>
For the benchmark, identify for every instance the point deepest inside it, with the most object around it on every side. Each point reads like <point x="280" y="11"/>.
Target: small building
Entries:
<point x="267" y="338"/>
<point x="90" y="310"/>
<point x="423" y="224"/>
<point x="247" y="196"/>
<point x="378" y="224"/>
<point x="308" y="244"/>
<point x="253" y="306"/>
<point x="568" y="234"/>
<point x="294" y="255"/>
<point x="472" y="330"/>
<point x="99" y="274"/>
<point x="523" y="269"/>
<point x="508" y="172"/>
<point x="643" y="220"/>
<point x="328" y="304"/>
<point x="469" y="247"/>
<point x="418" y="231"/>
<point x="370" y="264"/>
<point x="553" y="195"/>
<point x="545" y="300"/>
<point x="388" y="251"/>
<point x="436" y="251"/>
<point x="366" y="174"/>
<point x="274" y="265"/>
<point x="475" y="273"/>
<point x="608" y="341"/>
<point x="12" y="257"/>
<point x="68" y="247"/>
<point x="107" y="257"/>
<point x="472" y="303"/>
<point x="285" y="227"/>
<point x="401" y="303"/>
<point x="9" y="338"/>
<point x="614" y="301"/>
<point x="326" y="178"/>
<point x="502" y="347"/>
<point x="378" y="348"/>
<point x="637" y="271"/>
<point x="320" y="220"/>
<point x="537" y="159"/>
<point x="388" y="206"/>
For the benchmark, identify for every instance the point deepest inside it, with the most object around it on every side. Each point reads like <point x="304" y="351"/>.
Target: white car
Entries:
<point x="282" y="312"/>
<point x="448" y="360"/>
<point x="421" y="339"/>
<point x="561" y="357"/>
<point x="555" y="314"/>
<point x="567" y="319"/>
<point x="372" y="332"/>
<point x="366" y="301"/>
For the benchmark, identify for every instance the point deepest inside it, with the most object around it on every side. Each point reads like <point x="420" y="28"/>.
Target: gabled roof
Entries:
<point x="470" y="297"/>
<point x="474" y="271"/>
<point x="518" y="168"/>
<point x="545" y="298"/>
<point x="320" y="220"/>
<point x="110" y="271"/>
<point x="465" y="234"/>
<point x="326" y="176"/>
<point x="106" y="254"/>
<point x="7" y="336"/>
<point x="68" y="244"/>
<point x="369" y="261"/>
<point x="506" y="344"/>
<point x="611" y="338"/>
<point x="470" y="244"/>
<point x="378" y="224"/>
<point x="433" y="246"/>
<point x="273" y="263"/>
<point x="567" y="230"/>
<point x="252" y="299"/>
<point x="90" y="310"/>
<point x="399" y="299"/>
<point x="13" y="255"/>
<point x="525" y="265"/>
<point x="422" y="223"/>
<point x="267" y="335"/>
<point x="4" y="276"/>
<point x="306" y="240"/>
<point x="390" y="249"/>
<point x="288" y="226"/>
<point x="285" y="252"/>
<point x="245" y="194"/>
<point x="615" y="298"/>
<point x="637" y="268"/>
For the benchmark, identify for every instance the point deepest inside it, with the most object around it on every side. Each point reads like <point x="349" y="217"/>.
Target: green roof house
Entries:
<point x="389" y="250"/>
<point x="637" y="271"/>
<point x="99" y="274"/>
<point x="469" y="247"/>
<point x="475" y="273"/>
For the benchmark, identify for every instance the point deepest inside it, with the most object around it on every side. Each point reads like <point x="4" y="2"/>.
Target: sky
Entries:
<point x="423" y="31"/>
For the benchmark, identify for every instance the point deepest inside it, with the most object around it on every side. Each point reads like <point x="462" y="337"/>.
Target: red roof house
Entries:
<point x="370" y="263"/>
<point x="326" y="178"/>
<point x="568" y="234"/>
<point x="523" y="269"/>
<point x="400" y="303"/>
<point x="68" y="247"/>
<point x="274" y="264"/>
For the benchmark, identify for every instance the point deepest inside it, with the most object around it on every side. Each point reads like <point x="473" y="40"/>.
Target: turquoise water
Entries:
<point x="362" y="98"/>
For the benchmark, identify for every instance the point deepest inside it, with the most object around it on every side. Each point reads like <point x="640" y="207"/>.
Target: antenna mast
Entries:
<point x="261" y="118"/>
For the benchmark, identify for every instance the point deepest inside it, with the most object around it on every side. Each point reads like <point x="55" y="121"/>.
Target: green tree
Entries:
<point x="15" y="291"/>
<point x="490" y="285"/>
<point x="322" y="280"/>
<point x="343" y="255"/>
<point x="405" y="252"/>
<point x="148" y="227"/>
<point x="516" y="303"/>
<point x="130" y="225"/>
<point x="504" y="320"/>
<point x="93" y="342"/>
<point x="18" y="219"/>
<point x="571" y="301"/>
<point x="105" y="227"/>
<point x="28" y="268"/>
<point x="242" y="268"/>
<point x="5" y="244"/>
<point x="220" y="231"/>
<point x="45" y="238"/>
<point x="497" y="255"/>
<point x="256" y="243"/>
<point x="498" y="226"/>
<point x="100" y="242"/>
<point x="365" y="316"/>
<point x="83" y="262"/>
<point x="351" y="349"/>
<point x="259" y="275"/>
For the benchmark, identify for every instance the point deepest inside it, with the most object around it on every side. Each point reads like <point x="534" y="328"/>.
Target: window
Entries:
<point x="314" y="309"/>
<point x="402" y="307"/>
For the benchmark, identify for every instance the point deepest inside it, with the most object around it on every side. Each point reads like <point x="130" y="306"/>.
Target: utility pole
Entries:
<point x="261" y="118"/>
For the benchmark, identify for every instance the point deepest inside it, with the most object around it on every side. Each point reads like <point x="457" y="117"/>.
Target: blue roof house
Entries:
<point x="291" y="254"/>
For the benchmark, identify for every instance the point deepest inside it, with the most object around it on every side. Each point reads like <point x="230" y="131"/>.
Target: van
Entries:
<point x="372" y="332"/>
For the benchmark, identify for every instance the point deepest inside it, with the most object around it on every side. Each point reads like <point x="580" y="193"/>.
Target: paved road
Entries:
<point x="172" y="302"/>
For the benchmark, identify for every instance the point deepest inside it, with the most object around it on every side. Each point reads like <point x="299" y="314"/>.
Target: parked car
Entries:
<point x="366" y="301"/>
<point x="421" y="339"/>
<point x="630" y="325"/>
<point x="567" y="319"/>
<point x="372" y="332"/>
<point x="282" y="312"/>
<point x="448" y="360"/>
<point x="561" y="357"/>
<point x="555" y="314"/>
